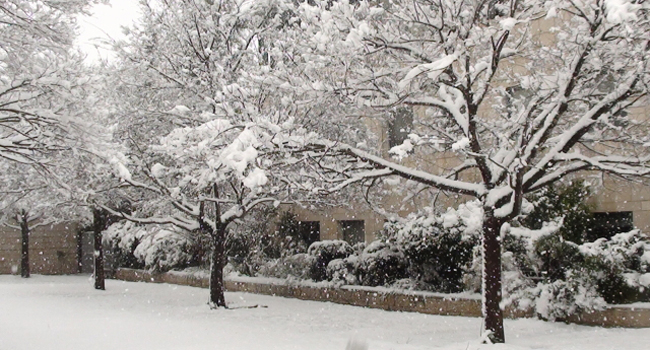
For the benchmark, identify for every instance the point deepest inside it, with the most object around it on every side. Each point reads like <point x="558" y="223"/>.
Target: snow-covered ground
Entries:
<point x="64" y="312"/>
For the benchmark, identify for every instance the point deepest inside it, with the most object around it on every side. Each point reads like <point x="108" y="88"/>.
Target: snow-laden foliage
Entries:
<point x="291" y="266"/>
<point x="154" y="247"/>
<point x="207" y="140"/>
<point x="264" y="241"/>
<point x="568" y="203"/>
<point x="42" y="81"/>
<point x="610" y="270"/>
<point x="416" y="227"/>
<point x="323" y="253"/>
<point x="521" y="93"/>
<point x="629" y="250"/>
<point x="381" y="264"/>
<point x="343" y="271"/>
<point x="437" y="247"/>
<point x="48" y="108"/>
<point x="377" y="264"/>
<point x="561" y="299"/>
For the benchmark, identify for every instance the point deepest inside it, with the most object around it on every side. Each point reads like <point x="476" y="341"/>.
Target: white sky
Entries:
<point x="105" y="21"/>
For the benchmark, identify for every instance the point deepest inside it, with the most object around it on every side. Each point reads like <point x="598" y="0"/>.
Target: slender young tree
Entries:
<point x="520" y="93"/>
<point x="24" y="243"/>
<point x="204" y="138"/>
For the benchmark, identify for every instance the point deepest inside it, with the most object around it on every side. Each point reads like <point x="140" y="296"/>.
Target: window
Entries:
<point x="606" y="81"/>
<point x="608" y="224"/>
<point x="400" y="125"/>
<point x="517" y="97"/>
<point x="309" y="231"/>
<point x="353" y="231"/>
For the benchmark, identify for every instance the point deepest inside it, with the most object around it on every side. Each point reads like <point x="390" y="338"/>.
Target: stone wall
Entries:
<point x="392" y="301"/>
<point x="52" y="249"/>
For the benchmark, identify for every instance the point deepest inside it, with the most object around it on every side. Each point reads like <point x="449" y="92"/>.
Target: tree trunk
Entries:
<point x="99" y="224"/>
<point x="217" y="263"/>
<point x="492" y="293"/>
<point x="24" y="256"/>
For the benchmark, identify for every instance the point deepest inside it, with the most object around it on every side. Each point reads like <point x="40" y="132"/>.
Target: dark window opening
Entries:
<point x="309" y="231"/>
<point x="608" y="224"/>
<point x="517" y="98"/>
<point x="353" y="231"/>
<point x="400" y="125"/>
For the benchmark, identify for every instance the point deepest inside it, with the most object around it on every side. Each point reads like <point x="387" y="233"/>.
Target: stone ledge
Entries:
<point x="613" y="316"/>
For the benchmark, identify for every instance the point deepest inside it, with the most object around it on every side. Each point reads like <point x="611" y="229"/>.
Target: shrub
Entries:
<point x="122" y="238"/>
<point x="290" y="235"/>
<point x="566" y="201"/>
<point x="562" y="298"/>
<point x="381" y="264"/>
<point x="577" y="278"/>
<point x="297" y="265"/>
<point x="323" y="253"/>
<point x="343" y="270"/>
<point x="438" y="248"/>
<point x="557" y="256"/>
<point x="154" y="247"/>
<point x="251" y="243"/>
<point x="257" y="241"/>
<point x="163" y="250"/>
<point x="613" y="261"/>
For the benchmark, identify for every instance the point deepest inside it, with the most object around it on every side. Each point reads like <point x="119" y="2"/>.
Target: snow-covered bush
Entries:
<point x="563" y="278"/>
<point x="297" y="265"/>
<point x="154" y="247"/>
<point x="121" y="239"/>
<point x="437" y="247"/>
<point x="324" y="252"/>
<point x="258" y="242"/>
<point x="381" y="264"/>
<point x="566" y="201"/>
<point x="252" y="243"/>
<point x="619" y="265"/>
<point x="165" y="249"/>
<point x="627" y="251"/>
<point x="556" y="256"/>
<point x="290" y="239"/>
<point x="343" y="271"/>
<point x="562" y="298"/>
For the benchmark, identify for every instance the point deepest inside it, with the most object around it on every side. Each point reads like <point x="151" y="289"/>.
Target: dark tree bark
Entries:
<point x="217" y="263"/>
<point x="492" y="295"/>
<point x="99" y="224"/>
<point x="79" y="250"/>
<point x="24" y="232"/>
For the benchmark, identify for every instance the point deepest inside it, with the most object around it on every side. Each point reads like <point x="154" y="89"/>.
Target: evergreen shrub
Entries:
<point x="438" y="248"/>
<point x="381" y="264"/>
<point x="323" y="253"/>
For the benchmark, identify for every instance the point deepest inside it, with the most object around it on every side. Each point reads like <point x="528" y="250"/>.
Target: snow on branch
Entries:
<point x="184" y="223"/>
<point x="387" y="168"/>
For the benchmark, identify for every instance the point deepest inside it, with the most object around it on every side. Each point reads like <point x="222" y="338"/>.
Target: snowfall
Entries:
<point x="65" y="312"/>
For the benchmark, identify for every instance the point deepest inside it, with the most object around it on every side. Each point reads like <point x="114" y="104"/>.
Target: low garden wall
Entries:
<point x="422" y="302"/>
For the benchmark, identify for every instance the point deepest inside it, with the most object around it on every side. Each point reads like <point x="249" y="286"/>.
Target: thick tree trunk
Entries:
<point x="217" y="263"/>
<point x="99" y="224"/>
<point x="492" y="293"/>
<point x="24" y="255"/>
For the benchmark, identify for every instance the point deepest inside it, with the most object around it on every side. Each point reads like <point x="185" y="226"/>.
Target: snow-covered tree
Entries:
<point x="520" y="93"/>
<point x="16" y="207"/>
<point x="45" y="95"/>
<point x="206" y="141"/>
<point x="32" y="196"/>
<point x="39" y="78"/>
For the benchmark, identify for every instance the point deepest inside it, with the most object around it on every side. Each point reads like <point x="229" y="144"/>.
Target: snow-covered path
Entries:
<point x="64" y="312"/>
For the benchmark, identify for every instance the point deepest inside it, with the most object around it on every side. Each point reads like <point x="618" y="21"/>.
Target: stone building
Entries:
<point x="53" y="249"/>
